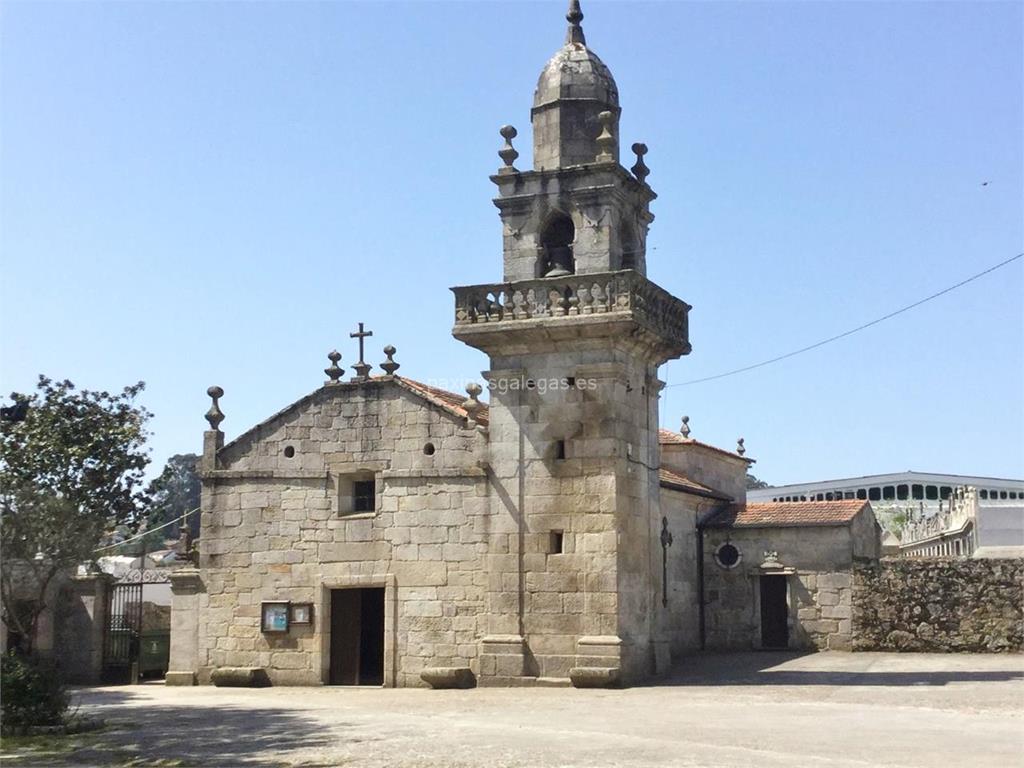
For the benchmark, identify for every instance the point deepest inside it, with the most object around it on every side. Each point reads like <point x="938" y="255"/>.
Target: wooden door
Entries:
<point x="774" y="612"/>
<point x="357" y="637"/>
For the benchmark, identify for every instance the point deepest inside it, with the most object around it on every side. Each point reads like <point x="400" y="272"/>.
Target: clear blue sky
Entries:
<point x="197" y="193"/>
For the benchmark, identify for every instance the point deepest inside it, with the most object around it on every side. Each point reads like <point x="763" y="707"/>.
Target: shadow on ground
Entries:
<point x="760" y="668"/>
<point x="142" y="734"/>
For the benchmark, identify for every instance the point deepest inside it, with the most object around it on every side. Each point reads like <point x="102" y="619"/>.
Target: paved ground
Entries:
<point x="826" y="709"/>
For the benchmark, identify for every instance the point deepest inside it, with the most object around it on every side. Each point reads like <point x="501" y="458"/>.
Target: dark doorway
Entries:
<point x="357" y="636"/>
<point x="774" y="612"/>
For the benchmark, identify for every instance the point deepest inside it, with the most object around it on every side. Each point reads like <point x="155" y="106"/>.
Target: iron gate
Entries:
<point x="132" y="645"/>
<point x="124" y="630"/>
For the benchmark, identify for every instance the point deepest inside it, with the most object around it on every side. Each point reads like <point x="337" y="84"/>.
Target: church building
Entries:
<point x="380" y="531"/>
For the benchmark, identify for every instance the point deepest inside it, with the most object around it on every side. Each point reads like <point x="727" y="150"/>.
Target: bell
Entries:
<point x="560" y="261"/>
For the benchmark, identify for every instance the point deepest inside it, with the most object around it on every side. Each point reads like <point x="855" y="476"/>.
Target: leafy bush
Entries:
<point x="32" y="693"/>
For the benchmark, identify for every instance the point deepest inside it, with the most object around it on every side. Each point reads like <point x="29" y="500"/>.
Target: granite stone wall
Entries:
<point x="278" y="524"/>
<point x="819" y="580"/>
<point x="939" y="605"/>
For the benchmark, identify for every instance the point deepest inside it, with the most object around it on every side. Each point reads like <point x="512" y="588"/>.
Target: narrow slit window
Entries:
<point x="559" y="449"/>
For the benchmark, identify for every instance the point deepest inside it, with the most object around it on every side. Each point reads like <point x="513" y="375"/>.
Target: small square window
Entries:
<point x="901" y="492"/>
<point x="917" y="491"/>
<point x="931" y="493"/>
<point x="888" y="493"/>
<point x="363" y="496"/>
<point x="874" y="494"/>
<point x="557" y="543"/>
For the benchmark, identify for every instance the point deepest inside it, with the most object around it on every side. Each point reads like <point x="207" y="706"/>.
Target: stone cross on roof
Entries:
<point x="362" y="368"/>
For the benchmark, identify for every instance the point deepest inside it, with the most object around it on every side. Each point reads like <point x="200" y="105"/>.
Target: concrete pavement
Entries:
<point x="825" y="709"/>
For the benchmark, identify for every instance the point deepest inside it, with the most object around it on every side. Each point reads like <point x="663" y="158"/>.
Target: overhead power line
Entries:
<point x="852" y="331"/>
<point x="147" y="532"/>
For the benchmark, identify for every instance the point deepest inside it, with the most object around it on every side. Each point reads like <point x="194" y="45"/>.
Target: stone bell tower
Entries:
<point x="575" y="334"/>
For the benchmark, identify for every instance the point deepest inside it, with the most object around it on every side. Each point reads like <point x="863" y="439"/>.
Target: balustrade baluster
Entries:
<point x="585" y="299"/>
<point x="557" y="303"/>
<point x="574" y="302"/>
<point x="519" y="305"/>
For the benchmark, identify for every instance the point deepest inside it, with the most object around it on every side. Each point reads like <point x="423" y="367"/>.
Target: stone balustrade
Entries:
<point x="625" y="292"/>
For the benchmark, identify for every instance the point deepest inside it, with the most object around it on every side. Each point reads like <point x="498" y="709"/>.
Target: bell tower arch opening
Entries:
<point x="630" y="246"/>
<point x="556" y="246"/>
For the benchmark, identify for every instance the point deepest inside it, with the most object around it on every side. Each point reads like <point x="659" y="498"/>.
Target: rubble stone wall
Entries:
<point x="939" y="605"/>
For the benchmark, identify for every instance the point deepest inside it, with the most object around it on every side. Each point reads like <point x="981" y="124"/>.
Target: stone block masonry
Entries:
<point x="939" y="605"/>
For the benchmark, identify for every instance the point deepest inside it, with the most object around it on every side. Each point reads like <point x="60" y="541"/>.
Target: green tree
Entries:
<point x="71" y="468"/>
<point x="753" y="484"/>
<point x="173" y="494"/>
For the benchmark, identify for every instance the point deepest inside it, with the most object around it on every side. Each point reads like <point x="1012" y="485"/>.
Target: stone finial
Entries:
<point x="215" y="415"/>
<point x="183" y="548"/>
<point x="640" y="170"/>
<point x="508" y="153"/>
<point x="575" y="17"/>
<point x="605" y="140"/>
<point x="334" y="372"/>
<point x="389" y="366"/>
<point x="740" y="448"/>
<point x="685" y="429"/>
<point x="472" y="403"/>
<point x="771" y="560"/>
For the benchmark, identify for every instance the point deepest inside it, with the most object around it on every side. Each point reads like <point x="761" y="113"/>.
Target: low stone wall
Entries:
<point x="939" y="605"/>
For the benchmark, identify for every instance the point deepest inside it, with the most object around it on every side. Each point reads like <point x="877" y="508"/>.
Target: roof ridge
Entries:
<point x="668" y="437"/>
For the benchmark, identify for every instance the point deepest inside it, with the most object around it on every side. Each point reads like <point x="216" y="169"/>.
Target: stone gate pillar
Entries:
<point x="186" y="587"/>
<point x="82" y="617"/>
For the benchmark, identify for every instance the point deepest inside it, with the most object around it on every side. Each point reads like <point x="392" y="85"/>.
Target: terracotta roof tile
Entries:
<point x="450" y="401"/>
<point x="676" y="481"/>
<point x="784" y="514"/>
<point x="668" y="437"/>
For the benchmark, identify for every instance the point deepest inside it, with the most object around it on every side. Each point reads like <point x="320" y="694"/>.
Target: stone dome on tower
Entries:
<point x="576" y="72"/>
<point x="574" y="88"/>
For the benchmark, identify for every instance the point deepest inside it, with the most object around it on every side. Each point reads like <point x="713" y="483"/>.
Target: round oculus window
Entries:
<point x="728" y="556"/>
